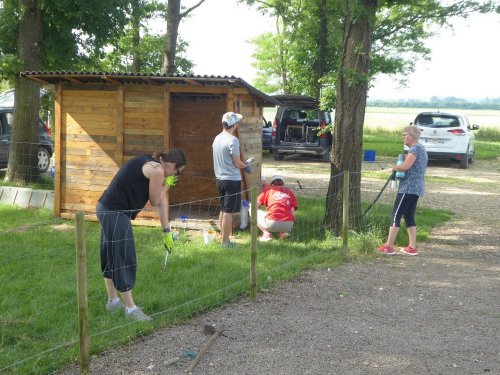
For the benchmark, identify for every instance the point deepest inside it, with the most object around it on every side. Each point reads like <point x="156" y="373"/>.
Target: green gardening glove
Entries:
<point x="168" y="241"/>
<point x="170" y="181"/>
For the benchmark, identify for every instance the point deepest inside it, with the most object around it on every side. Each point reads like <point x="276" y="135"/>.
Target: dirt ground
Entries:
<point x="438" y="313"/>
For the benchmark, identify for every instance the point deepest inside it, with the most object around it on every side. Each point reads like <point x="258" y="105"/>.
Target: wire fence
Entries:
<point x="39" y="318"/>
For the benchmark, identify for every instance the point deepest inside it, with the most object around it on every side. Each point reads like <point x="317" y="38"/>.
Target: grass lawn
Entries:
<point x="38" y="320"/>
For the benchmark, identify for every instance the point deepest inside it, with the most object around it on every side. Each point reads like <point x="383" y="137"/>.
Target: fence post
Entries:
<point x="253" y="242"/>
<point x="81" y="274"/>
<point x="345" y="215"/>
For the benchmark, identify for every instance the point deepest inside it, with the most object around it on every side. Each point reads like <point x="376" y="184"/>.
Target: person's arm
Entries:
<point x="157" y="191"/>
<point x="407" y="164"/>
<point x="238" y="163"/>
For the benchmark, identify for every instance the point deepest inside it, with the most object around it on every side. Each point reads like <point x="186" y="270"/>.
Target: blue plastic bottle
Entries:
<point x="401" y="159"/>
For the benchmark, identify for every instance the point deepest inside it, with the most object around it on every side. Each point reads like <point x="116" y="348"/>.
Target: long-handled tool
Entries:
<point x="391" y="177"/>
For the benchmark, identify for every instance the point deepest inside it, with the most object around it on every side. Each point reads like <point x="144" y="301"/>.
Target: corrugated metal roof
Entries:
<point x="53" y="77"/>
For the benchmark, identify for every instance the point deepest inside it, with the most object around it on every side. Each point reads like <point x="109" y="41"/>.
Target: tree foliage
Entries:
<point x="400" y="31"/>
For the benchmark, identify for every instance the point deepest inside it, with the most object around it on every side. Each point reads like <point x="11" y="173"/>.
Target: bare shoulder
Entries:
<point x="151" y="168"/>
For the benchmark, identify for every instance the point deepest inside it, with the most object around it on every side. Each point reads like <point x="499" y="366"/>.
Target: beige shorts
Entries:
<point x="272" y="225"/>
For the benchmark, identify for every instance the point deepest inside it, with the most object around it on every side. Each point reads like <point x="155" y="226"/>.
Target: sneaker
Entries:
<point x="138" y="315"/>
<point x="266" y="237"/>
<point x="114" y="307"/>
<point x="408" y="250"/>
<point x="386" y="249"/>
<point x="284" y="235"/>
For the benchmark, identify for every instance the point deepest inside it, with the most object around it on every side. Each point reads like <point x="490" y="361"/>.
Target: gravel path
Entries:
<point x="438" y="313"/>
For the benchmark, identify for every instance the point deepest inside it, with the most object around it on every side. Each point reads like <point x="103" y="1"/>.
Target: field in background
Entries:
<point x="392" y="118"/>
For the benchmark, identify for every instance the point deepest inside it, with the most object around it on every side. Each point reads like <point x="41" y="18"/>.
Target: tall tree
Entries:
<point x="352" y="88"/>
<point x="174" y="17"/>
<point x="355" y="72"/>
<point x="48" y="34"/>
<point x="23" y="162"/>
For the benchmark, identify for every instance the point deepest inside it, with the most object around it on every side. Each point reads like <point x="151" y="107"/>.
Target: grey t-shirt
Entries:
<point x="224" y="147"/>
<point x="413" y="182"/>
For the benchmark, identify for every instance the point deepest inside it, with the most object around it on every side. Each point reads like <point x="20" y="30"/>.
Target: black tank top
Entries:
<point x="129" y="188"/>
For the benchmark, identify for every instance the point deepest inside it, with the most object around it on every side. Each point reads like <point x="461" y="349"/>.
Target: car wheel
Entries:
<point x="464" y="163"/>
<point x="471" y="156"/>
<point x="43" y="159"/>
<point x="277" y="156"/>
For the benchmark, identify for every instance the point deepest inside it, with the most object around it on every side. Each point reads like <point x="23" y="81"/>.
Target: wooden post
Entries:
<point x="345" y="215"/>
<point x="120" y="125"/>
<point x="81" y="274"/>
<point x="253" y="243"/>
<point x="58" y="123"/>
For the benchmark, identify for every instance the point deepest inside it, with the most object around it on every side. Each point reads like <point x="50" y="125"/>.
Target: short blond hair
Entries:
<point x="412" y="131"/>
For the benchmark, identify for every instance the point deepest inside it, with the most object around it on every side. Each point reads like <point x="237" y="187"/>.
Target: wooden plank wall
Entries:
<point x="102" y="127"/>
<point x="250" y="135"/>
<point x="195" y="122"/>
<point x="88" y="143"/>
<point x="143" y="120"/>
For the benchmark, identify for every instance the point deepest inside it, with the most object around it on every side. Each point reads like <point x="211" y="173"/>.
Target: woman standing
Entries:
<point x="411" y="187"/>
<point x="140" y="179"/>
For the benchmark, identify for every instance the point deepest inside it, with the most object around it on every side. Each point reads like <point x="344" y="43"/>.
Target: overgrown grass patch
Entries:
<point x="38" y="321"/>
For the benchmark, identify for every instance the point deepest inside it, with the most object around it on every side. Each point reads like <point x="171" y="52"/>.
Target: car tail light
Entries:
<point x="322" y="126"/>
<point x="47" y="129"/>
<point x="457" y="131"/>
<point x="275" y="126"/>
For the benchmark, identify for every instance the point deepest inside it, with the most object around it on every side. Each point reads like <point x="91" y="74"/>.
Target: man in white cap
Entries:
<point x="281" y="205"/>
<point x="227" y="168"/>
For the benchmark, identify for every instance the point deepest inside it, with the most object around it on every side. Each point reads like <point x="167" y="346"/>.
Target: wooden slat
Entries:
<point x="58" y="120"/>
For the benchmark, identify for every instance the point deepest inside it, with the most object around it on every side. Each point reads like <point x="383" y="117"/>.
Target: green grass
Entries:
<point x="387" y="142"/>
<point x="44" y="182"/>
<point x="39" y="318"/>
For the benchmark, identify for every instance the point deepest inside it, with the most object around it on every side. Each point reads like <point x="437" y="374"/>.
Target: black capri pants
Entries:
<point x="118" y="260"/>
<point x="404" y="205"/>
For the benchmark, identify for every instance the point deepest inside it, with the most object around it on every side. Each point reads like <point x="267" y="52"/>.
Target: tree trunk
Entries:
<point x="173" y="20"/>
<point x="135" y="21"/>
<point x="352" y="87"/>
<point x="322" y="43"/>
<point x="23" y="157"/>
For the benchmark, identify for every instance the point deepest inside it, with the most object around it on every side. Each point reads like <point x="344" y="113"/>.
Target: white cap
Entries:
<point x="277" y="177"/>
<point x="231" y="118"/>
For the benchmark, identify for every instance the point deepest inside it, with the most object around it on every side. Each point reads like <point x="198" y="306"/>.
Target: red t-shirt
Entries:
<point x="279" y="202"/>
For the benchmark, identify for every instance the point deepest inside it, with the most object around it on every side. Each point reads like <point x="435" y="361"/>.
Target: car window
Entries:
<point x="300" y="115"/>
<point x="437" y="121"/>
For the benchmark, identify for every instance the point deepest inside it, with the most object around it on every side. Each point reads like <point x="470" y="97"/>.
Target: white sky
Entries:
<point x="464" y="62"/>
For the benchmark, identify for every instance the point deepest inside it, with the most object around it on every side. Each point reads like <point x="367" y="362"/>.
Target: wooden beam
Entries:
<point x="58" y="142"/>
<point x="230" y="100"/>
<point x="111" y="80"/>
<point x="72" y="80"/>
<point x="39" y="80"/>
<point x="166" y="118"/>
<point x="167" y="129"/>
<point x="193" y="82"/>
<point x="119" y="157"/>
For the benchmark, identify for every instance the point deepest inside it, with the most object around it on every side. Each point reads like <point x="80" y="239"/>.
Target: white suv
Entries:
<point x="447" y="136"/>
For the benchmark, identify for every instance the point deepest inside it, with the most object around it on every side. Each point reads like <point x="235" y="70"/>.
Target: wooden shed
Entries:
<point x="104" y="119"/>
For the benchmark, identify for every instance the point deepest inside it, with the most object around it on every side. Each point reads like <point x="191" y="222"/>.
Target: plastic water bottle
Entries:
<point x="401" y="159"/>
<point x="244" y="213"/>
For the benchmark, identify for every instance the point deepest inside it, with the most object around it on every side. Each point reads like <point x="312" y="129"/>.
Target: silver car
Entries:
<point x="447" y="136"/>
